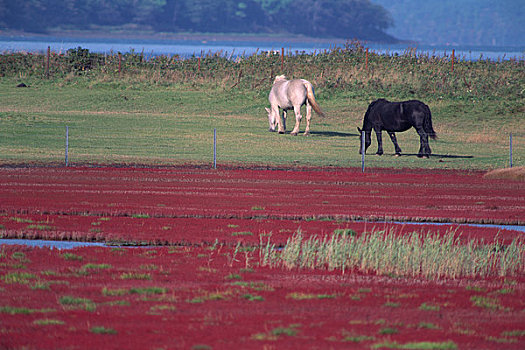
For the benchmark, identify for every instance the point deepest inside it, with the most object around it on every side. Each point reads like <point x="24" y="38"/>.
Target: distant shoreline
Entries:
<point x="203" y="37"/>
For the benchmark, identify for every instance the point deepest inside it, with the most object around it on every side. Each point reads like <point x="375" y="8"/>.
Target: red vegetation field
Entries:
<point x="196" y="290"/>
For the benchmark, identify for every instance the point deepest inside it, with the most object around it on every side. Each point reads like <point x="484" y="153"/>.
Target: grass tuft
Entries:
<point x="516" y="173"/>
<point x="71" y="256"/>
<point x="103" y="330"/>
<point x="22" y="310"/>
<point x="78" y="303"/>
<point x="135" y="276"/>
<point x="48" y="321"/>
<point x="18" y="277"/>
<point x="449" y="345"/>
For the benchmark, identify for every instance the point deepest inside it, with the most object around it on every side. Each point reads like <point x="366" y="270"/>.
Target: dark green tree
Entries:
<point x="224" y="16"/>
<point x="339" y="18"/>
<point x="330" y="18"/>
<point x="23" y="15"/>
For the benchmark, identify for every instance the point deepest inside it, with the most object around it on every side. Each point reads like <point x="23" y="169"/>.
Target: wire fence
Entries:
<point x="154" y="145"/>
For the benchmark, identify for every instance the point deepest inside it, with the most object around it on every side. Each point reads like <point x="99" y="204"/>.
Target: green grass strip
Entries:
<point x="417" y="345"/>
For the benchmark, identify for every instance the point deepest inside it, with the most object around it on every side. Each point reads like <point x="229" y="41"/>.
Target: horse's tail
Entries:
<point x="311" y="98"/>
<point x="427" y="124"/>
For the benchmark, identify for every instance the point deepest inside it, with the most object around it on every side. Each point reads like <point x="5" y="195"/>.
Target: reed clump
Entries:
<point x="431" y="256"/>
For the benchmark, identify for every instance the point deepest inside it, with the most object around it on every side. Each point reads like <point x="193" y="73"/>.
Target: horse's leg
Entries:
<point x="308" y="118"/>
<point x="284" y="119"/>
<point x="394" y="141"/>
<point x="379" y="143"/>
<point x="298" y="116"/>
<point x="424" y="148"/>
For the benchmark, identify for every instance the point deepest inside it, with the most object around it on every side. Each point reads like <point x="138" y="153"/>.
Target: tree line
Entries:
<point x="349" y="19"/>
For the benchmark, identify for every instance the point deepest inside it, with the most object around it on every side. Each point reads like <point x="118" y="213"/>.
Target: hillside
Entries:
<point x="465" y="22"/>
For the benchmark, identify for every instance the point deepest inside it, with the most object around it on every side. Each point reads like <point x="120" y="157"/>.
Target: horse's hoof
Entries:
<point x="379" y="153"/>
<point x="293" y="133"/>
<point x="397" y="155"/>
<point x="281" y="132"/>
<point x="306" y="134"/>
<point x="271" y="130"/>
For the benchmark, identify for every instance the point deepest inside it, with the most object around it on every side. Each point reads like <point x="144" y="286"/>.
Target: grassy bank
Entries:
<point x="163" y="110"/>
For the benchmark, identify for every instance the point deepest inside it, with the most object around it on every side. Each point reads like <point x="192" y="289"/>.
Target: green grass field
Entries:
<point x="157" y="118"/>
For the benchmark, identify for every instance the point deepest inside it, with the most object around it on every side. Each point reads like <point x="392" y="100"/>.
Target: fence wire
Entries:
<point x="152" y="144"/>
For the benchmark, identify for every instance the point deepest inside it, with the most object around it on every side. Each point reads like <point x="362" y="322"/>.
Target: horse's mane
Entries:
<point x="279" y="77"/>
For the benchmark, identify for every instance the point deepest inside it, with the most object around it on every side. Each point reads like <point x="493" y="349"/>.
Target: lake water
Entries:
<point x="235" y="48"/>
<point x="50" y="244"/>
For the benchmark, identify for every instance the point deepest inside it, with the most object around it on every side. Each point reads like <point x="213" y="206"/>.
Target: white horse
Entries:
<point x="291" y="94"/>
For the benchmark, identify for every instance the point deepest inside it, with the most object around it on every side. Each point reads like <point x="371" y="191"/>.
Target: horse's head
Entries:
<point x="272" y="119"/>
<point x="368" y="139"/>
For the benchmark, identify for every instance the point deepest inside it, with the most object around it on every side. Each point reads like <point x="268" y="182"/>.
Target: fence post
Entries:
<point x="214" y="148"/>
<point x="282" y="59"/>
<point x="47" y="61"/>
<point x="453" y="54"/>
<point x="119" y="62"/>
<point x="366" y="59"/>
<point x="510" y="152"/>
<point x="67" y="144"/>
<point x="363" y="151"/>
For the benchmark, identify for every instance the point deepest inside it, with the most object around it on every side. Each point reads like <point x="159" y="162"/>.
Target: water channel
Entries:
<point x="73" y="244"/>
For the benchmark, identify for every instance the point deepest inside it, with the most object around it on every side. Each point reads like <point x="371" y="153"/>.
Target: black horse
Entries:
<point x="396" y="117"/>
